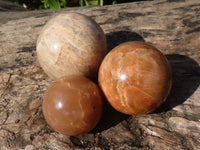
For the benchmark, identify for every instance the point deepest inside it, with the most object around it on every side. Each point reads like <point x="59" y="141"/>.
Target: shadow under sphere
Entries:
<point x="185" y="81"/>
<point x="119" y="37"/>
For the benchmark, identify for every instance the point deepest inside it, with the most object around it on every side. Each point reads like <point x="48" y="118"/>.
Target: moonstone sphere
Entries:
<point x="135" y="78"/>
<point x="73" y="105"/>
<point x="71" y="44"/>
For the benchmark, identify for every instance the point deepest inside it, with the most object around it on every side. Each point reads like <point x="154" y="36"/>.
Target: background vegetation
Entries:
<point x="56" y="4"/>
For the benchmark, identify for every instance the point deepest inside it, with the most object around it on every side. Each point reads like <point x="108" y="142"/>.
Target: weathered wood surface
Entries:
<point x="171" y="26"/>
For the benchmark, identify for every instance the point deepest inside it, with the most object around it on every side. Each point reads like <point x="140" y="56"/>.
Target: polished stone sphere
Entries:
<point x="135" y="78"/>
<point x="72" y="105"/>
<point x="71" y="44"/>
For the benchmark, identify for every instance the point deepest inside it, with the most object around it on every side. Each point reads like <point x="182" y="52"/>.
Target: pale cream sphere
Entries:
<point x="71" y="44"/>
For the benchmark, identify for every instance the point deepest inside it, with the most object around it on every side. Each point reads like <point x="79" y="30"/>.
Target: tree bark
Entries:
<point x="171" y="26"/>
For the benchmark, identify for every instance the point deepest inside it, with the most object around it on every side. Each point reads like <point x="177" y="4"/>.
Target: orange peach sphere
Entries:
<point x="73" y="105"/>
<point x="135" y="78"/>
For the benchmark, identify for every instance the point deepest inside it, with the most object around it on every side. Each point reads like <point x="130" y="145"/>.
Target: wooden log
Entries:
<point x="171" y="26"/>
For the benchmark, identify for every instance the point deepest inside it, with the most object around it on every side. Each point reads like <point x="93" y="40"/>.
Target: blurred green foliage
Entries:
<point x="53" y="4"/>
<point x="56" y="4"/>
<point x="90" y="2"/>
